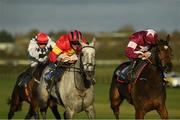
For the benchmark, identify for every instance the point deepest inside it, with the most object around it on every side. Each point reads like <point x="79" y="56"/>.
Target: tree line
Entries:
<point x="108" y="45"/>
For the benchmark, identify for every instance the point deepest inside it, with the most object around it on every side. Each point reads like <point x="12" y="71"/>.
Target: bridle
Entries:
<point x="154" y="50"/>
<point x="157" y="60"/>
<point x="87" y="65"/>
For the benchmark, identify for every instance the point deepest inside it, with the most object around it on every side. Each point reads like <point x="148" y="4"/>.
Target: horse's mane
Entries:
<point x="162" y="42"/>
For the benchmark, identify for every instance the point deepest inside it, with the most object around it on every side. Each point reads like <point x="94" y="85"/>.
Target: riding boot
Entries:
<point x="133" y="75"/>
<point x="132" y="72"/>
<point x="52" y="76"/>
<point x="55" y="76"/>
<point x="49" y="79"/>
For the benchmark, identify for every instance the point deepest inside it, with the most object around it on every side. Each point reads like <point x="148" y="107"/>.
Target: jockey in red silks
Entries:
<point x="38" y="50"/>
<point x="66" y="50"/>
<point x="138" y="47"/>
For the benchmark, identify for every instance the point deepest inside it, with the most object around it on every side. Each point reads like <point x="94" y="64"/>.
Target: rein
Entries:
<point x="67" y="66"/>
<point x="156" y="64"/>
<point x="79" y="69"/>
<point x="157" y="60"/>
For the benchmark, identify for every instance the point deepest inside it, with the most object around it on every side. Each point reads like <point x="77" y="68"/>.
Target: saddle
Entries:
<point x="56" y="75"/>
<point x="27" y="75"/>
<point x="123" y="78"/>
<point x="122" y="72"/>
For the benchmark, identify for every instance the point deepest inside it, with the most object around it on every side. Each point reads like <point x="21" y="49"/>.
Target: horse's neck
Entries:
<point x="77" y="64"/>
<point x="156" y="61"/>
<point x="74" y="77"/>
<point x="153" y="74"/>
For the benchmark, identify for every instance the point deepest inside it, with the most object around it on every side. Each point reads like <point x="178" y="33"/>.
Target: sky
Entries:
<point x="19" y="16"/>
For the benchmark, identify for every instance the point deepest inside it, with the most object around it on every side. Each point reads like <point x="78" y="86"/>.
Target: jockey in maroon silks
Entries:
<point x="138" y="47"/>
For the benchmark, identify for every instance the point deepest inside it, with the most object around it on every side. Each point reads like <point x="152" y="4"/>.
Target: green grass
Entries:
<point x="102" y="104"/>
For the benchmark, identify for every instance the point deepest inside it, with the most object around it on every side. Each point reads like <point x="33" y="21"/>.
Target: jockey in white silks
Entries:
<point x="38" y="50"/>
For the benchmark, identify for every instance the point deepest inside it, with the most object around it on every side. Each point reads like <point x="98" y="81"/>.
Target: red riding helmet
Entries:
<point x="74" y="36"/>
<point x="42" y="38"/>
<point x="151" y="36"/>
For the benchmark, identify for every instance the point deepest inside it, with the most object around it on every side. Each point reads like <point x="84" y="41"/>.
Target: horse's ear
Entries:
<point x="168" y="38"/>
<point x="82" y="43"/>
<point x="93" y="42"/>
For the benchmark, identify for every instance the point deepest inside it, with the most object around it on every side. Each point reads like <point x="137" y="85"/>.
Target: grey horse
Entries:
<point x="75" y="90"/>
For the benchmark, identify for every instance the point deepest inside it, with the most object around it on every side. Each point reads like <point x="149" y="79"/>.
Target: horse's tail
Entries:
<point x="113" y="80"/>
<point x="113" y="85"/>
<point x="9" y="101"/>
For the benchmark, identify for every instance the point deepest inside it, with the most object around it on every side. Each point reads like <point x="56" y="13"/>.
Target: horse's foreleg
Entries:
<point x="68" y="114"/>
<point x="139" y="114"/>
<point x="43" y="112"/>
<point x="91" y="112"/>
<point x="30" y="113"/>
<point x="54" y="109"/>
<point x="115" y="101"/>
<point x="36" y="114"/>
<point x="163" y="112"/>
<point x="35" y="109"/>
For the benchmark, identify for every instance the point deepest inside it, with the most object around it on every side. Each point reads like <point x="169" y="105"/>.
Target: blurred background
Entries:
<point x="110" y="21"/>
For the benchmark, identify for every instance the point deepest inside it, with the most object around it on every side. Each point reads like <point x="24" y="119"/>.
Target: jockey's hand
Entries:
<point x="71" y="61"/>
<point x="66" y="59"/>
<point x="146" y="55"/>
<point x="43" y="60"/>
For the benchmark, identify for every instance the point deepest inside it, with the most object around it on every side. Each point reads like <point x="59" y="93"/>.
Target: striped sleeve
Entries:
<point x="56" y="50"/>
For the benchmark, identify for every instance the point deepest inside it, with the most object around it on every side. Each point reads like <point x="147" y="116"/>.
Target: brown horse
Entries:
<point x="148" y="91"/>
<point x="29" y="94"/>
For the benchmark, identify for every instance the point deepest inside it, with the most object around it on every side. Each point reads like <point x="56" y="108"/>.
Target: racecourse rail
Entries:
<point x="26" y="62"/>
<point x="98" y="62"/>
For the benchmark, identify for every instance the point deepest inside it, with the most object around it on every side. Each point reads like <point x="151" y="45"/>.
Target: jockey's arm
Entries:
<point x="51" y="44"/>
<point x="130" y="50"/>
<point x="32" y="50"/>
<point x="56" y="51"/>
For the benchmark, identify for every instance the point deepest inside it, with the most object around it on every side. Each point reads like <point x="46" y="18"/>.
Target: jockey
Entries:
<point x="66" y="50"/>
<point x="138" y="47"/>
<point x="38" y="50"/>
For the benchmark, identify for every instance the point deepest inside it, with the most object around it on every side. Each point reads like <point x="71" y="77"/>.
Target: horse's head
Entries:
<point x="162" y="54"/>
<point x="87" y="59"/>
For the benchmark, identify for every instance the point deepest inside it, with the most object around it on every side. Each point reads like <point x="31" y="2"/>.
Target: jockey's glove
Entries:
<point x="146" y="55"/>
<point x="42" y="60"/>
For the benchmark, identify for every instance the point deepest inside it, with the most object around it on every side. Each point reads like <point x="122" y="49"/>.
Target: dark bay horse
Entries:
<point x="29" y="95"/>
<point x="148" y="91"/>
<point x="75" y="89"/>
